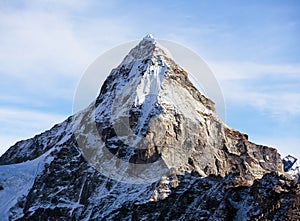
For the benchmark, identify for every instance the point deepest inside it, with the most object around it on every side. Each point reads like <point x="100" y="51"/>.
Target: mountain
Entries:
<point x="150" y="147"/>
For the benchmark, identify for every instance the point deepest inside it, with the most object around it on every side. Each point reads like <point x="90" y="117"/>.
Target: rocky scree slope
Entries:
<point x="151" y="147"/>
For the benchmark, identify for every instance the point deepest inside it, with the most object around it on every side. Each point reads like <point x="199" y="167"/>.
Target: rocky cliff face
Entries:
<point x="151" y="147"/>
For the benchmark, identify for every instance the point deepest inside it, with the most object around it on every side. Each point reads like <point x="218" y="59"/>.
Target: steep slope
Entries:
<point x="150" y="147"/>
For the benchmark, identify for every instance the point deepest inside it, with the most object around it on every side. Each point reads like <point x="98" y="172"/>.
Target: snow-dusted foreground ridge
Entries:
<point x="150" y="147"/>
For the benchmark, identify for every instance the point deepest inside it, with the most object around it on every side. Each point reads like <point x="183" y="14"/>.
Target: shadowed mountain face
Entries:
<point x="150" y="147"/>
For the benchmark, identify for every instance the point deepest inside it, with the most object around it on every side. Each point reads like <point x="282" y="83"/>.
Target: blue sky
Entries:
<point x="252" y="47"/>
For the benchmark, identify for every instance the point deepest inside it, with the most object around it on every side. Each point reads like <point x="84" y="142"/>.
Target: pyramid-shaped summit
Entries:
<point x="150" y="147"/>
<point x="148" y="111"/>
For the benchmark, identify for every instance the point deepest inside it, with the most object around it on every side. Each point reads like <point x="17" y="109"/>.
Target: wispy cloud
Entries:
<point x="229" y="70"/>
<point x="41" y="41"/>
<point x="46" y="49"/>
<point x="268" y="87"/>
<point x="17" y="124"/>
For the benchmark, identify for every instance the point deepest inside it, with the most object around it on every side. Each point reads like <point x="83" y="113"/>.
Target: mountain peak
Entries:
<point x="148" y="111"/>
<point x="147" y="48"/>
<point x="149" y="37"/>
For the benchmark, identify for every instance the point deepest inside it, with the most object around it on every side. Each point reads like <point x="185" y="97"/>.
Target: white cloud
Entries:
<point x="18" y="124"/>
<point x="45" y="48"/>
<point x="268" y="88"/>
<point x="44" y="43"/>
<point x="41" y="48"/>
<point x="280" y="104"/>
<point x="250" y="70"/>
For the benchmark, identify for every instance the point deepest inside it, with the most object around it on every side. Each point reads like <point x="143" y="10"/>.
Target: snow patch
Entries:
<point x="17" y="179"/>
<point x="150" y="84"/>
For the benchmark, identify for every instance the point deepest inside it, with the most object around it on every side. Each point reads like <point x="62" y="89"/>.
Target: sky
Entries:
<point x="252" y="48"/>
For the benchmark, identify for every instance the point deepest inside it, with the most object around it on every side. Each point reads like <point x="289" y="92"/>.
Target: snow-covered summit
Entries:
<point x="147" y="48"/>
<point x="149" y="37"/>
